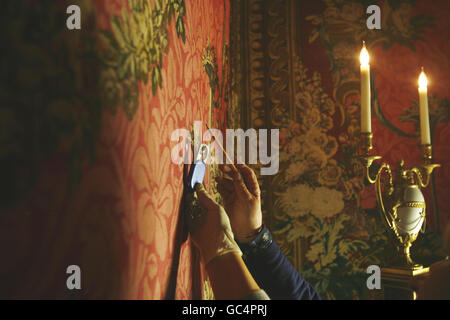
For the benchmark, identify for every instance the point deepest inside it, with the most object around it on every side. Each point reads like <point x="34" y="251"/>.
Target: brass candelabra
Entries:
<point x="400" y="202"/>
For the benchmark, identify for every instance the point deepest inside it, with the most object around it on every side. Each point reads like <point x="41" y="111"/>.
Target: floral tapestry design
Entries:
<point x="320" y="198"/>
<point x="315" y="193"/>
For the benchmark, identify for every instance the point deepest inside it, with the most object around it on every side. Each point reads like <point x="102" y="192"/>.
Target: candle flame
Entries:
<point x="364" y="56"/>
<point x="423" y="81"/>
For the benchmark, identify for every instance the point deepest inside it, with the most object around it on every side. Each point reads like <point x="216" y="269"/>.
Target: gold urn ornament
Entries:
<point x="407" y="221"/>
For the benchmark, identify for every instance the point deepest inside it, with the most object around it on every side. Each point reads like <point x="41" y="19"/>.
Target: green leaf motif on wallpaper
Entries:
<point x="210" y="64"/>
<point x="134" y="51"/>
<point x="57" y="83"/>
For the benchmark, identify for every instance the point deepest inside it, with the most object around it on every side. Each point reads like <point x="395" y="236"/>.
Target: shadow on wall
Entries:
<point x="50" y="114"/>
<point x="84" y="179"/>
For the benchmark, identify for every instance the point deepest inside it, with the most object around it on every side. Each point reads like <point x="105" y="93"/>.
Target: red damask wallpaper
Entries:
<point x="115" y="210"/>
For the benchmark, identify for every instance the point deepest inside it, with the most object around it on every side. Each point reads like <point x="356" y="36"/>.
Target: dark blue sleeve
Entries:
<point x="273" y="272"/>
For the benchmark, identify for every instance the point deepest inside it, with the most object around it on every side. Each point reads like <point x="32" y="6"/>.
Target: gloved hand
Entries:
<point x="242" y="201"/>
<point x="211" y="230"/>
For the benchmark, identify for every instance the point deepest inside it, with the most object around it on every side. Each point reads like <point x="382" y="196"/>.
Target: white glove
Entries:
<point x="211" y="230"/>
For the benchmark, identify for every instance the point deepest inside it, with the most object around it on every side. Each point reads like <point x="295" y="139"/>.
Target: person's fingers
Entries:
<point x="223" y="191"/>
<point x="250" y="179"/>
<point x="239" y="184"/>
<point x="225" y="169"/>
<point x="195" y="220"/>
<point x="204" y="198"/>
<point x="226" y="184"/>
<point x="227" y="197"/>
<point x="193" y="224"/>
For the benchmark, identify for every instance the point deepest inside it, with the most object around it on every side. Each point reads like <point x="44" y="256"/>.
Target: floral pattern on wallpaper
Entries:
<point x="154" y="185"/>
<point x="134" y="50"/>
<point x="58" y="74"/>
<point x="316" y="192"/>
<point x="320" y="181"/>
<point x="136" y="76"/>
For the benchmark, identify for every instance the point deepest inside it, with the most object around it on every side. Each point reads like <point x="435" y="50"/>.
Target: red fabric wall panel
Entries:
<point x="122" y="224"/>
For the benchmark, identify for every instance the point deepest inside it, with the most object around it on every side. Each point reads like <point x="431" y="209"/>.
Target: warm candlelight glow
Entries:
<point x="423" y="81"/>
<point x="364" y="56"/>
<point x="423" y="110"/>
<point x="366" y="125"/>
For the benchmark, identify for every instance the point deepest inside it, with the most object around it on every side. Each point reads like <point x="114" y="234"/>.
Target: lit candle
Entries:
<point x="365" y="90"/>
<point x="424" y="118"/>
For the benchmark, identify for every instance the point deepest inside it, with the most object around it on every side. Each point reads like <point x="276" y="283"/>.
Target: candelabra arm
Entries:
<point x="423" y="179"/>
<point x="386" y="215"/>
<point x="420" y="178"/>
<point x="368" y="161"/>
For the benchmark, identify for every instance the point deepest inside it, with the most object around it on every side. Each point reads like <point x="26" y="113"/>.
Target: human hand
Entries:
<point x="242" y="200"/>
<point x="211" y="231"/>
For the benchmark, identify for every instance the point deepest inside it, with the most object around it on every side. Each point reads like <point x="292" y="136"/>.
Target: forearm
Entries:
<point x="230" y="278"/>
<point x="273" y="271"/>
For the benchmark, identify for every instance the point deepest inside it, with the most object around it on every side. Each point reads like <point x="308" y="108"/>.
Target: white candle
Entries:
<point x="425" y="137"/>
<point x="365" y="90"/>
